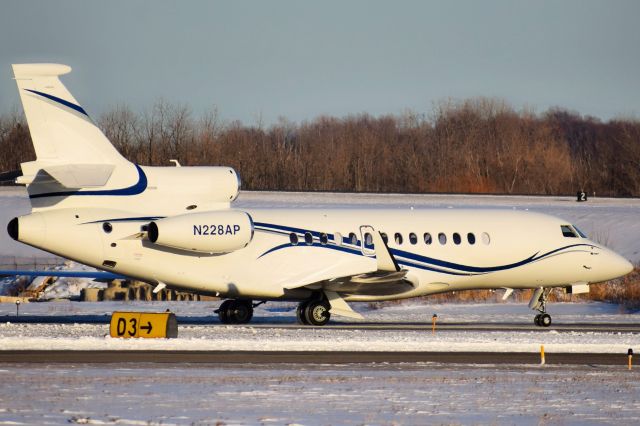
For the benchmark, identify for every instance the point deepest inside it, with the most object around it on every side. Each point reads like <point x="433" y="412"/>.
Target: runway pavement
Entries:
<point x="305" y="357"/>
<point x="399" y="326"/>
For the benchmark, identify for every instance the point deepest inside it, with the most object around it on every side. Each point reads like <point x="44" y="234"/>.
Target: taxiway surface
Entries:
<point x="399" y="326"/>
<point x="304" y="357"/>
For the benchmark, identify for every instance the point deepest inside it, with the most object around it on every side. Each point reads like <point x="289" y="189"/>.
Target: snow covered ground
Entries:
<point x="412" y="394"/>
<point x="15" y="336"/>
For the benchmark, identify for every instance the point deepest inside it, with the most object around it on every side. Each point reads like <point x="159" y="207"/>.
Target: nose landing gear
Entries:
<point x="538" y="303"/>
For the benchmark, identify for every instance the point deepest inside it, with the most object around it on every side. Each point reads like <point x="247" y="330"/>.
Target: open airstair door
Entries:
<point x="366" y="241"/>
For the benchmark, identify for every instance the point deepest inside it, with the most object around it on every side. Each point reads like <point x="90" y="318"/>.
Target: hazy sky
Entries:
<point x="300" y="59"/>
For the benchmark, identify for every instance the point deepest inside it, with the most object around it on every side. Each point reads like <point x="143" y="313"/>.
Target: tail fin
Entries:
<point x="61" y="130"/>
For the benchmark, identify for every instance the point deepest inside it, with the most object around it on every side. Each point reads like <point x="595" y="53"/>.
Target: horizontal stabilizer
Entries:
<point x="81" y="175"/>
<point x="67" y="175"/>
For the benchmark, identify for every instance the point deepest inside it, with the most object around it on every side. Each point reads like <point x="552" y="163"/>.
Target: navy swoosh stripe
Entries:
<point x="60" y="101"/>
<point x="402" y="255"/>
<point x="138" y="188"/>
<point x="359" y="253"/>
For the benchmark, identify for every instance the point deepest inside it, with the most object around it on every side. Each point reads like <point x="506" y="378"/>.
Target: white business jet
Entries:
<point x="175" y="227"/>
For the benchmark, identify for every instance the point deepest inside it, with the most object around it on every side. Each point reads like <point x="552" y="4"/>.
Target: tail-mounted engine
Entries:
<point x="207" y="232"/>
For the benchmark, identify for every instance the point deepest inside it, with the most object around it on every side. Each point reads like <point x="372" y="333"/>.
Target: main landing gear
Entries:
<point x="234" y="311"/>
<point x="539" y="303"/>
<point x="313" y="312"/>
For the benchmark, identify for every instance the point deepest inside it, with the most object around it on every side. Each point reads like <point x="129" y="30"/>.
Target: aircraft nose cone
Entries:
<point x="619" y="266"/>
<point x="626" y="267"/>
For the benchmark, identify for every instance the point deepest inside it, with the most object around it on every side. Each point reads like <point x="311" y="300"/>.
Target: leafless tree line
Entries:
<point x="475" y="146"/>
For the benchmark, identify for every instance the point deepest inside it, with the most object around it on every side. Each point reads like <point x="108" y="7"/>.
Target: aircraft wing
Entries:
<point x="383" y="275"/>
<point x="385" y="270"/>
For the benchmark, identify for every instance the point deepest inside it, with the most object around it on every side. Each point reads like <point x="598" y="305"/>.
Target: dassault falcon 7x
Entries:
<point x="176" y="227"/>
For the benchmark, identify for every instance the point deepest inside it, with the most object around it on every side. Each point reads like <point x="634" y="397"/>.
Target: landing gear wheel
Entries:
<point x="545" y="320"/>
<point x="536" y="320"/>
<point x="300" y="313"/>
<point x="223" y="311"/>
<point x="242" y="311"/>
<point x="235" y="311"/>
<point x="317" y="312"/>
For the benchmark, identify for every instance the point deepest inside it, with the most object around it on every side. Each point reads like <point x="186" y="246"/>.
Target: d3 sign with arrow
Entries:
<point x="143" y="324"/>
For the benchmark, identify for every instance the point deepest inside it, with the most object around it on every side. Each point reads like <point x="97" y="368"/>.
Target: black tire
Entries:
<point x="240" y="312"/>
<point x="223" y="311"/>
<point x="536" y="320"/>
<point x="317" y="313"/>
<point x="300" y="313"/>
<point x="545" y="320"/>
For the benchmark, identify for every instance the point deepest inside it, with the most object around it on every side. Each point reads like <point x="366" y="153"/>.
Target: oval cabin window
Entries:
<point x="471" y="238"/>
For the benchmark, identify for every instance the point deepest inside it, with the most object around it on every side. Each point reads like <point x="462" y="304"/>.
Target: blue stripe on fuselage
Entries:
<point x="407" y="258"/>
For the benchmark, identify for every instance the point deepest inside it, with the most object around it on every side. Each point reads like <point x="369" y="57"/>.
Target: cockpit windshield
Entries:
<point x="572" y="231"/>
<point x="582" y="234"/>
<point x="568" y="231"/>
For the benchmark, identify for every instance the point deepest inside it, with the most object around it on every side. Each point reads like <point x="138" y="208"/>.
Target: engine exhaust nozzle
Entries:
<point x="13" y="228"/>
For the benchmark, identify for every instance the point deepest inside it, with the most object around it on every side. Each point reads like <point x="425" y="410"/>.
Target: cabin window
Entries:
<point x="107" y="227"/>
<point x="398" y="238"/>
<point x="582" y="234"/>
<point x="324" y="239"/>
<point x="413" y="238"/>
<point x="456" y="238"/>
<point x="308" y="238"/>
<point x="471" y="238"/>
<point x="568" y="232"/>
<point x="442" y="238"/>
<point x="427" y="238"/>
<point x="353" y="239"/>
<point x="486" y="239"/>
<point x="385" y="237"/>
<point x="293" y="237"/>
<point x="368" y="239"/>
<point x="337" y="238"/>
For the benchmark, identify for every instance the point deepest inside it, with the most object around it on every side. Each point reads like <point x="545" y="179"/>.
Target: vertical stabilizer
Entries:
<point x="61" y="130"/>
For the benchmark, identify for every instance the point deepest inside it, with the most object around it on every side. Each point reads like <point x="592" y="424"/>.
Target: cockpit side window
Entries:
<point x="582" y="234"/>
<point x="568" y="232"/>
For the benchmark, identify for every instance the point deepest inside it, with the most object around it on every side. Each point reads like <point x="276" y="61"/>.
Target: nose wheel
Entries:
<point x="539" y="303"/>
<point x="542" y="320"/>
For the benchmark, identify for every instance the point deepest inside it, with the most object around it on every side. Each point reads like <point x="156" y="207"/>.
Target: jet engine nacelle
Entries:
<point x="206" y="232"/>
